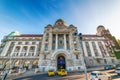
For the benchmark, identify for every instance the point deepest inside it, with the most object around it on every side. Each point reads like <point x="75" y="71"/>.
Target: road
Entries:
<point x="70" y="76"/>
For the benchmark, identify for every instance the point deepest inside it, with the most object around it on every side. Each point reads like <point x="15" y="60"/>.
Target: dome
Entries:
<point x="60" y="22"/>
<point x="100" y="27"/>
<point x="14" y="33"/>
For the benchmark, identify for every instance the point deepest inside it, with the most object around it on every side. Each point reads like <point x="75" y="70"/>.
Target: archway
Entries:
<point x="61" y="63"/>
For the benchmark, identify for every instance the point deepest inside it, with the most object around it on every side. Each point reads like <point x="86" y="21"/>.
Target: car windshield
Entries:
<point x="93" y="74"/>
<point x="50" y="70"/>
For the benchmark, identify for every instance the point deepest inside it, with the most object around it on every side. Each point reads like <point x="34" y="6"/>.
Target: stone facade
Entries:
<point x="59" y="47"/>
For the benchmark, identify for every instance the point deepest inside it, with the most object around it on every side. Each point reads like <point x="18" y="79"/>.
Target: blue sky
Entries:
<point x="31" y="16"/>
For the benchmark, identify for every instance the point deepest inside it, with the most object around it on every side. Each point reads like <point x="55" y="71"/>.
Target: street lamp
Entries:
<point x="82" y="55"/>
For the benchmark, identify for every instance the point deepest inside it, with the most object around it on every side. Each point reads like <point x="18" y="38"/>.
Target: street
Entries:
<point x="70" y="76"/>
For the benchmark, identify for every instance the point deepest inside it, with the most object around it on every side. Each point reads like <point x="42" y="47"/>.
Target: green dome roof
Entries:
<point x="15" y="33"/>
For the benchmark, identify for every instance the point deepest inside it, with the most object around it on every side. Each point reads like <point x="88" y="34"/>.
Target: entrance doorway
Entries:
<point x="61" y="62"/>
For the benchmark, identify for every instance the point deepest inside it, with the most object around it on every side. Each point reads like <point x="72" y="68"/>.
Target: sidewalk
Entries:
<point x="29" y="73"/>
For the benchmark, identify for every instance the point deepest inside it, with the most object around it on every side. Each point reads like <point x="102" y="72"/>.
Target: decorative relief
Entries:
<point x="44" y="63"/>
<point x="70" y="62"/>
<point x="78" y="62"/>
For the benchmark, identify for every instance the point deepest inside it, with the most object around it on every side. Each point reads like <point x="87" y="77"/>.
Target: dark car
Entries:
<point x="117" y="65"/>
<point x="107" y="67"/>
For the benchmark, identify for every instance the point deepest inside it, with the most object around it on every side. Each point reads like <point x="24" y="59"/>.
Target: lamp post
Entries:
<point x="82" y="55"/>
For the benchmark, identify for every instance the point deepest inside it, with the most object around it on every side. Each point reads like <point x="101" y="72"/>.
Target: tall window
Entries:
<point x="101" y="48"/>
<point x="95" y="49"/>
<point x="44" y="56"/>
<point x="77" y="56"/>
<point x="88" y="49"/>
<point x="60" y="41"/>
<point x="67" y="41"/>
<point x="32" y="49"/>
<point x="46" y="47"/>
<point x="47" y="35"/>
<point x="53" y="42"/>
<point x="75" y="46"/>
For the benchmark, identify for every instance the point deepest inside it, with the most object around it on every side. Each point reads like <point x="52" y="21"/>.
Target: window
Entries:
<point x="19" y="42"/>
<point x="101" y="48"/>
<point x="12" y="43"/>
<point x="44" y="56"/>
<point x="77" y="57"/>
<point x="32" y="48"/>
<point x="46" y="47"/>
<point x="88" y="49"/>
<point x="98" y="61"/>
<point x="26" y="42"/>
<point x="95" y="49"/>
<point x="75" y="46"/>
<point x="54" y="41"/>
<point x="33" y="42"/>
<point x="60" y="42"/>
<point x="47" y="35"/>
<point x="46" y="40"/>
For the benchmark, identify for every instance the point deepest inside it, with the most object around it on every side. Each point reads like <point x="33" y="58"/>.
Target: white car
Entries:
<point x="118" y="70"/>
<point x="99" y="75"/>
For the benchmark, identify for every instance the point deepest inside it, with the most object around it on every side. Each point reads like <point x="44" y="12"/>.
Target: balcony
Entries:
<point x="76" y="51"/>
<point x="98" y="57"/>
<point x="46" y="52"/>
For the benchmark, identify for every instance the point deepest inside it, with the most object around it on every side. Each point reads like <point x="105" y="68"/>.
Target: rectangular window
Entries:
<point x="75" y="46"/>
<point x="77" y="57"/>
<point x="44" y="57"/>
<point x="95" y="49"/>
<point x="46" y="47"/>
<point x="88" y="49"/>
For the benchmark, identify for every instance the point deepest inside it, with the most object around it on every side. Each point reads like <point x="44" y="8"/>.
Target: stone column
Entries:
<point x="65" y="41"/>
<point x="28" y="48"/>
<point x="13" y="50"/>
<point x="70" y="41"/>
<point x="35" y="51"/>
<point x="5" y="49"/>
<point x="56" y="46"/>
<point x="21" y="47"/>
<point x="50" y="41"/>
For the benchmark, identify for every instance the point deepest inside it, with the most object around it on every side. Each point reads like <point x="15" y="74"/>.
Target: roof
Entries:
<point x="31" y="35"/>
<point x="90" y="35"/>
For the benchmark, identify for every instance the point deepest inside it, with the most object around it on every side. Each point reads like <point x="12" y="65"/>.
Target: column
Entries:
<point x="28" y="48"/>
<point x="13" y="51"/>
<point x="70" y="41"/>
<point x="35" y="51"/>
<point x="21" y="47"/>
<point x="64" y="41"/>
<point x="56" y="46"/>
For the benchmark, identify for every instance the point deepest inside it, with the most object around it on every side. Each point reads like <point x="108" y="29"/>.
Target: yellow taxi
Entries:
<point x="62" y="72"/>
<point x="51" y="73"/>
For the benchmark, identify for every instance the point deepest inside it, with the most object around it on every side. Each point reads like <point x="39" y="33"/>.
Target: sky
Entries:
<point x="31" y="16"/>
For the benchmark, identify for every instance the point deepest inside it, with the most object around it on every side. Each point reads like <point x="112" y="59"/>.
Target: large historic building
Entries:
<point x="58" y="47"/>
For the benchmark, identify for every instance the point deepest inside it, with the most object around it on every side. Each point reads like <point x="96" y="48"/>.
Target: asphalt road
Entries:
<point x="70" y="76"/>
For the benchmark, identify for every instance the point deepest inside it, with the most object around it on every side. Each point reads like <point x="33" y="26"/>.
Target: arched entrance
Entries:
<point x="61" y="64"/>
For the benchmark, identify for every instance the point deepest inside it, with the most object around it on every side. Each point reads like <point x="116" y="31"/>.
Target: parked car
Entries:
<point x="117" y="65"/>
<point x="62" y="72"/>
<point x="117" y="70"/>
<point x="51" y="73"/>
<point x="99" y="75"/>
<point x="107" y="67"/>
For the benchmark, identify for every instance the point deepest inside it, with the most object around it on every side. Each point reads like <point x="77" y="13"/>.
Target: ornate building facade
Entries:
<point x="58" y="47"/>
